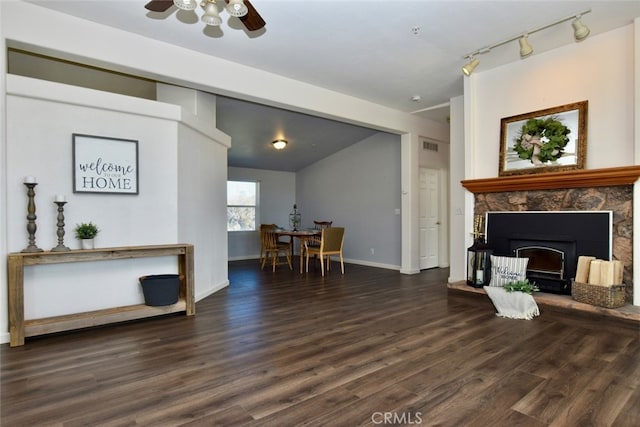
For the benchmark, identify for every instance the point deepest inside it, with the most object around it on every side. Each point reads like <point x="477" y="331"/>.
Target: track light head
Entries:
<point x="525" y="47"/>
<point x="580" y="31"/>
<point x="186" y="4"/>
<point x="211" y="15"/>
<point x="468" y="68"/>
<point x="237" y="8"/>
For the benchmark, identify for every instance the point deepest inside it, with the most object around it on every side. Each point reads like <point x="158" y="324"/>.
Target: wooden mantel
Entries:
<point x="583" y="178"/>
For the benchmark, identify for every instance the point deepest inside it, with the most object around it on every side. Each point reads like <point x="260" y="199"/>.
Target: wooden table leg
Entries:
<point x="303" y="239"/>
<point x="16" y="300"/>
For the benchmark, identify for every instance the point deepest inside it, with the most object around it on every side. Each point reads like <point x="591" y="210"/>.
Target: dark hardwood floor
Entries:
<point x="372" y="347"/>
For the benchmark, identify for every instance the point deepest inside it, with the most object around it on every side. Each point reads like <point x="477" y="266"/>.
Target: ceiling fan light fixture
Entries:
<point x="468" y="68"/>
<point x="525" y="47"/>
<point x="279" y="144"/>
<point x="211" y="15"/>
<point x="237" y="8"/>
<point x="186" y="4"/>
<point x="580" y="31"/>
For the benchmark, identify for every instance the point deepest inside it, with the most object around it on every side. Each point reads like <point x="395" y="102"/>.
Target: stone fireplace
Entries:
<point x="582" y="190"/>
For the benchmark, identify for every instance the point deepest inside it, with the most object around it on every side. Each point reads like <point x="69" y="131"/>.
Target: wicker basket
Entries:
<point x="602" y="296"/>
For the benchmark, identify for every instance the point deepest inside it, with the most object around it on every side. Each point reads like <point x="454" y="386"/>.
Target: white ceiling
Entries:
<point x="381" y="51"/>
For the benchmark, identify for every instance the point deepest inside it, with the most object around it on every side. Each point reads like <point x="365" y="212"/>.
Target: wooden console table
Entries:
<point x="19" y="328"/>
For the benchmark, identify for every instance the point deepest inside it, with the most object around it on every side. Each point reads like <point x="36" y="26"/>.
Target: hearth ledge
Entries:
<point x="582" y="178"/>
<point x="627" y="312"/>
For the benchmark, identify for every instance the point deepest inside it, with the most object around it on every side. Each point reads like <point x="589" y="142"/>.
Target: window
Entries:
<point x="242" y="205"/>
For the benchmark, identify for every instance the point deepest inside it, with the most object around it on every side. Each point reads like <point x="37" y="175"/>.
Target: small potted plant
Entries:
<point x="86" y="232"/>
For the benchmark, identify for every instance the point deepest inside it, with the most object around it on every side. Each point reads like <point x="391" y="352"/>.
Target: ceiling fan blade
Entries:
<point x="252" y="20"/>
<point x="158" y="5"/>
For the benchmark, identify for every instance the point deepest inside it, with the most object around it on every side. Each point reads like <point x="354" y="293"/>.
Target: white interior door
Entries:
<point x="429" y="224"/>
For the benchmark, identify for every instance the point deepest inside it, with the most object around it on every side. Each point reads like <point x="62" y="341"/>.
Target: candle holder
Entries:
<point x="31" y="218"/>
<point x="60" y="232"/>
<point x="295" y="219"/>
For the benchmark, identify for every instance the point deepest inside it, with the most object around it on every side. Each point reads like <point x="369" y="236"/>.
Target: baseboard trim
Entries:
<point x="212" y="291"/>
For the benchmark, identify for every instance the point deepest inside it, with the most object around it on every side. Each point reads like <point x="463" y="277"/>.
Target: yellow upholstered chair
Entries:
<point x="331" y="241"/>
<point x="271" y="248"/>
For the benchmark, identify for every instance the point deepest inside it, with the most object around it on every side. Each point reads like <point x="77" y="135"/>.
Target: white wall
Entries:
<point x="277" y="192"/>
<point x="202" y="195"/>
<point x="600" y="69"/>
<point x="179" y="201"/>
<point x="202" y="190"/>
<point x="457" y="238"/>
<point x="41" y="118"/>
<point x="358" y="188"/>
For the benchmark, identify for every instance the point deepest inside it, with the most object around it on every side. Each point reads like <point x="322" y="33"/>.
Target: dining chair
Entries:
<point x="271" y="248"/>
<point x="272" y="227"/>
<point x="315" y="240"/>
<point x="331" y="242"/>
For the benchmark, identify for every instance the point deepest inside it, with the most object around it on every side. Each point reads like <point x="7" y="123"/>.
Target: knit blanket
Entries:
<point x="514" y="305"/>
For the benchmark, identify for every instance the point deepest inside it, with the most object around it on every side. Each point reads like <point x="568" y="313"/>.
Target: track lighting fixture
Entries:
<point x="468" y="68"/>
<point x="279" y="144"/>
<point x="580" y="32"/>
<point x="525" y="47"/>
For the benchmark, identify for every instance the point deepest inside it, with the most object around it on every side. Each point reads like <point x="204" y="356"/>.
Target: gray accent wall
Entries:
<point x="358" y="188"/>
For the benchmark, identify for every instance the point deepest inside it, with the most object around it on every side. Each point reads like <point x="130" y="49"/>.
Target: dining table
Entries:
<point x="302" y="235"/>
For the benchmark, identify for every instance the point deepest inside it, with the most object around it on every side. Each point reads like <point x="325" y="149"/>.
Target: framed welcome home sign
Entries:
<point x="104" y="165"/>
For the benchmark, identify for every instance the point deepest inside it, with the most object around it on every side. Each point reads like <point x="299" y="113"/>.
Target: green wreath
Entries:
<point x="542" y="140"/>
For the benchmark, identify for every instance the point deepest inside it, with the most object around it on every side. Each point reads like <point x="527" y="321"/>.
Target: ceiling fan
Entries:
<point x="242" y="9"/>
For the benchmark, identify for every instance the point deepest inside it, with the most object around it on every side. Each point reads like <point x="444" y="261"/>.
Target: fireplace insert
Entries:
<point x="552" y="241"/>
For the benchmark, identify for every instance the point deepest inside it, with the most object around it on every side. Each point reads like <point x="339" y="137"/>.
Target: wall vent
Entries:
<point x="431" y="146"/>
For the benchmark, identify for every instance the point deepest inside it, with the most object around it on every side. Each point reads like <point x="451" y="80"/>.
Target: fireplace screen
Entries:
<point x="543" y="261"/>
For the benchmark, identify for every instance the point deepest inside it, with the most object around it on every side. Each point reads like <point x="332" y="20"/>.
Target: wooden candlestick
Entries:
<point x="60" y="232"/>
<point x="31" y="218"/>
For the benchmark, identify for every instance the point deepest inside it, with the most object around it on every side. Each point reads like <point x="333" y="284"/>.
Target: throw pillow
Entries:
<point x="506" y="269"/>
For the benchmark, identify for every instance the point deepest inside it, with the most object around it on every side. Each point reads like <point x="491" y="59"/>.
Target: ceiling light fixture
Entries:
<point x="580" y="32"/>
<point x="211" y="15"/>
<point x="279" y="144"/>
<point x="241" y="9"/>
